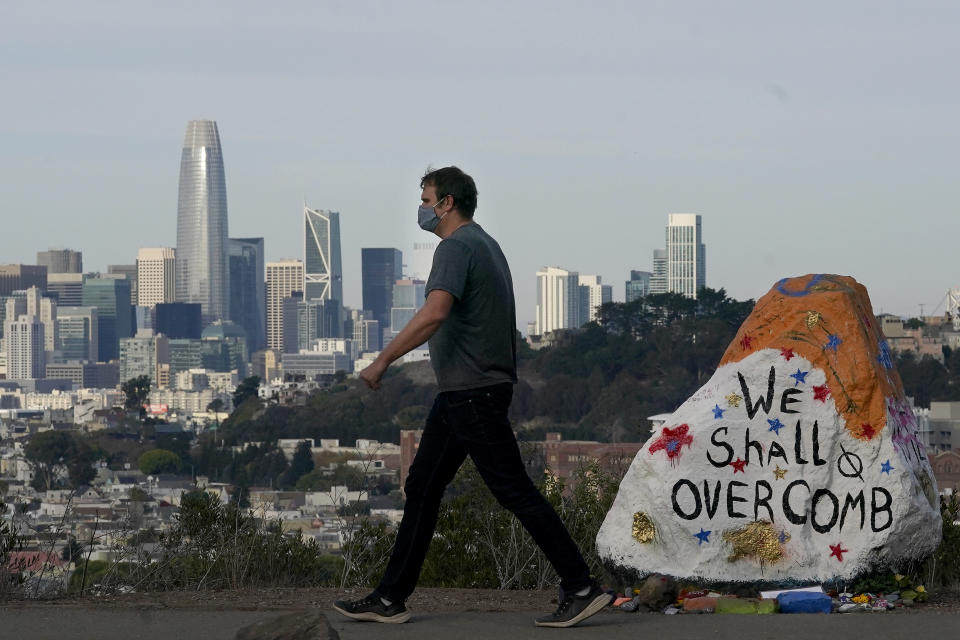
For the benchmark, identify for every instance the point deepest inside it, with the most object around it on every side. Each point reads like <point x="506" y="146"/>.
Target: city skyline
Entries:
<point x="804" y="162"/>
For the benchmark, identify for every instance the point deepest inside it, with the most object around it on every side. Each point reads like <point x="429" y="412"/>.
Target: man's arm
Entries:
<point x="424" y="324"/>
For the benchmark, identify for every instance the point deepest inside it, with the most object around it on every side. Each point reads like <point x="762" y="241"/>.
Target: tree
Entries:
<point x="248" y="388"/>
<point x="159" y="461"/>
<point x="49" y="450"/>
<point x="216" y="405"/>
<point x="136" y="390"/>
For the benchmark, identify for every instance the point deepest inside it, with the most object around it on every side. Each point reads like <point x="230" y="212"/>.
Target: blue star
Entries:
<point x="886" y="467"/>
<point x="775" y="425"/>
<point x="717" y="412"/>
<point x="833" y="343"/>
<point x="703" y="536"/>
<point x="799" y="376"/>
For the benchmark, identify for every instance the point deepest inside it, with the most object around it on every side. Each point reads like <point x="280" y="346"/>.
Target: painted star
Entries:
<point x="787" y="353"/>
<point x="746" y="342"/>
<point x="703" y="536"/>
<point x="833" y="342"/>
<point x="779" y="472"/>
<point x="838" y="551"/>
<point x="672" y="441"/>
<point x="775" y="425"/>
<point x="820" y="392"/>
<point x="784" y="537"/>
<point x="800" y="376"/>
<point x="738" y="465"/>
<point x="733" y="400"/>
<point x="718" y="412"/>
<point x="886" y="467"/>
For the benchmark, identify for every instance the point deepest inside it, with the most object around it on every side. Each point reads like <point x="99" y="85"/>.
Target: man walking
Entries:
<point x="470" y="321"/>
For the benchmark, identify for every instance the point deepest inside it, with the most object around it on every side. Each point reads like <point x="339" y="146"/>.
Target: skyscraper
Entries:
<point x="248" y="291"/>
<point x="408" y="297"/>
<point x="638" y="286"/>
<point x="686" y="254"/>
<point x="380" y="269"/>
<point x="283" y="278"/>
<point x="322" y="269"/>
<point x="24" y="347"/>
<point x="593" y="293"/>
<point x="128" y="271"/>
<point x="61" y="260"/>
<point x="78" y="333"/>
<point x="16" y="277"/>
<point x="201" y="264"/>
<point x="658" y="281"/>
<point x="156" y="279"/>
<point x="558" y="300"/>
<point x="111" y="297"/>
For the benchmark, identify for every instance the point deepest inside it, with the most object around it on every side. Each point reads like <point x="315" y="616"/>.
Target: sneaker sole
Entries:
<point x="369" y="616"/>
<point x="596" y="606"/>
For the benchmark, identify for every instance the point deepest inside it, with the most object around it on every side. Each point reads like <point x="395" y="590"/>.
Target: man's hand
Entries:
<point x="372" y="374"/>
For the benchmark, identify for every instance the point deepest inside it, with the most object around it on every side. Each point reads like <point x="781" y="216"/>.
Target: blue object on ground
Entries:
<point x="804" y="602"/>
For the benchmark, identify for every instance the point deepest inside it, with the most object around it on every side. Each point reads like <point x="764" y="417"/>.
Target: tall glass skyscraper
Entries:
<point x="202" y="275"/>
<point x="248" y="292"/>
<point x="322" y="269"/>
<point x="380" y="269"/>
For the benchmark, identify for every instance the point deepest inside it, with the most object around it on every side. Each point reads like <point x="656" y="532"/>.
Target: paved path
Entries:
<point x="94" y="623"/>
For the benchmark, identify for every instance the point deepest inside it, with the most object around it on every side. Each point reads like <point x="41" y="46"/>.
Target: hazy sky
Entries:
<point x="811" y="137"/>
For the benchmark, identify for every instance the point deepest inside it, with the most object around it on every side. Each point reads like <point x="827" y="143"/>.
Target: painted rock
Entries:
<point x="799" y="460"/>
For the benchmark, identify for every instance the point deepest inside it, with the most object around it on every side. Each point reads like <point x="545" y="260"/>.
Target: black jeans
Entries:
<point x="474" y="422"/>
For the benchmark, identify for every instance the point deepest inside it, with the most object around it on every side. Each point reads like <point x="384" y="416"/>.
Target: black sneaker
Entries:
<point x="372" y="609"/>
<point x="574" y="608"/>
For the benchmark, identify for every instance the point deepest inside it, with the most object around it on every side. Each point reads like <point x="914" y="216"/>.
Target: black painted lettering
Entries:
<point x="776" y="451"/>
<point x="854" y="503"/>
<point x="752" y="444"/>
<point x="711" y="504"/>
<point x="798" y="446"/>
<point x="788" y="511"/>
<point x="785" y="399"/>
<point x="696" y="500"/>
<point x="763" y="401"/>
<point x="732" y="498"/>
<point x="834" y="513"/>
<point x="817" y="460"/>
<point x="762" y="501"/>
<point x="720" y="443"/>
<point x="881" y="508"/>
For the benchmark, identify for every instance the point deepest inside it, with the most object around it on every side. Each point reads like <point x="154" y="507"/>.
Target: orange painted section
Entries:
<point x="827" y="319"/>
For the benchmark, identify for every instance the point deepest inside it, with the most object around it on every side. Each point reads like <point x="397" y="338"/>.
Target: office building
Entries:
<point x="311" y="364"/>
<point x="178" y="320"/>
<point x="86" y="375"/>
<point x="127" y="271"/>
<point x="421" y="261"/>
<point x="593" y="294"/>
<point x="224" y="348"/>
<point x="686" y="255"/>
<point x="24" y="348"/>
<point x="248" y="289"/>
<point x="381" y="268"/>
<point x="310" y="319"/>
<point x="142" y="356"/>
<point x="78" y="334"/>
<point x="658" y="281"/>
<point x="283" y="278"/>
<point x="185" y="354"/>
<point x="290" y="316"/>
<point x="61" y="261"/>
<point x="66" y="288"/>
<point x="156" y="276"/>
<point x="558" y="300"/>
<point x="201" y="256"/>
<point x="638" y="286"/>
<point x="408" y="297"/>
<point x="364" y="330"/>
<point x="323" y="271"/>
<point x="32" y="302"/>
<point x="111" y="297"/>
<point x="18" y="277"/>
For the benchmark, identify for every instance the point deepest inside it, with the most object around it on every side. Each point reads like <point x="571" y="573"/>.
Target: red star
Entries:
<point x="738" y="465"/>
<point x="746" y="342"/>
<point x="787" y="353"/>
<point x="867" y="431"/>
<point x="671" y="441"/>
<point x="820" y="392"/>
<point x="836" y="550"/>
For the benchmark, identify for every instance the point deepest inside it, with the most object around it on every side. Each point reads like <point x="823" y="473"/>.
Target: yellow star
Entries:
<point x="779" y="472"/>
<point x="813" y="319"/>
<point x="734" y="400"/>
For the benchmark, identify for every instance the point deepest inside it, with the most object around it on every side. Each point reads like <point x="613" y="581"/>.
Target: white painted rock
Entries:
<point x="798" y="461"/>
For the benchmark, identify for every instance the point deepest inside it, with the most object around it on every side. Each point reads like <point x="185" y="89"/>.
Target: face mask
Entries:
<point x="427" y="218"/>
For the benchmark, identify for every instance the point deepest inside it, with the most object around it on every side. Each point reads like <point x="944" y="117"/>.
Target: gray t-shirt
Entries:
<point x="477" y="344"/>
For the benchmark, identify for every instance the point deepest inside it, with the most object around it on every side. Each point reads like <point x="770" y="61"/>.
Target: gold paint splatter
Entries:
<point x="813" y="319"/>
<point x="779" y="472"/>
<point x="733" y="400"/>
<point x="756" y="540"/>
<point x="644" y="530"/>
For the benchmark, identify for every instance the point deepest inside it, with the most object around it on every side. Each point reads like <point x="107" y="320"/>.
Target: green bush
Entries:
<point x="159" y="461"/>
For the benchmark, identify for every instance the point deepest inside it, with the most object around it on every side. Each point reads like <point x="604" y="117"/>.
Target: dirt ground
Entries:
<point x="433" y="600"/>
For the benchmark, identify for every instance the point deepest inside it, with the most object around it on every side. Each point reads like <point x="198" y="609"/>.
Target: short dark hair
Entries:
<point x="451" y="181"/>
